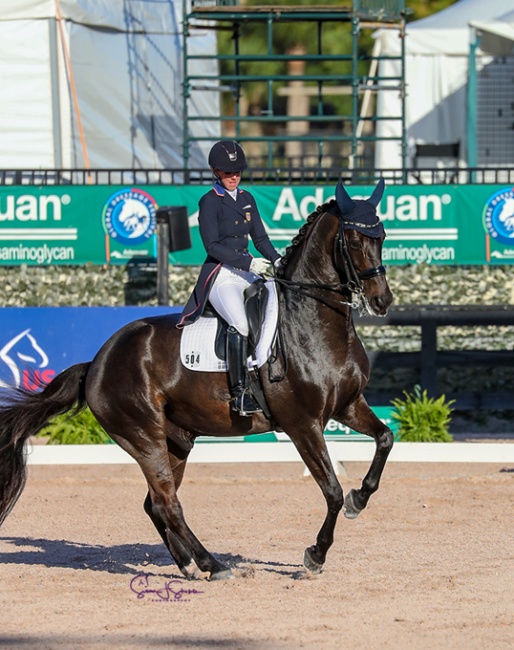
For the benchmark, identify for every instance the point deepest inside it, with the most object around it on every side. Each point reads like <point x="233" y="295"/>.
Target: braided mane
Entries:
<point x="302" y="233"/>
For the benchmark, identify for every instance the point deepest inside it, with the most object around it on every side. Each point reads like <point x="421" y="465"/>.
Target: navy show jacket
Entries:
<point x="225" y="226"/>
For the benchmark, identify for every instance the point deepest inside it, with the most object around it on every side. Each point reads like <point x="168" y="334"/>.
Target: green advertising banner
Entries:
<point x="434" y="224"/>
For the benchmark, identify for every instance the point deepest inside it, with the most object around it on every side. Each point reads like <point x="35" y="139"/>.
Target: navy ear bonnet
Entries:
<point x="361" y="215"/>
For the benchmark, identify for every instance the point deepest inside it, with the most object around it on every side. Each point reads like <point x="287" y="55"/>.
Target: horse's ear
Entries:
<point x="344" y="201"/>
<point x="378" y="192"/>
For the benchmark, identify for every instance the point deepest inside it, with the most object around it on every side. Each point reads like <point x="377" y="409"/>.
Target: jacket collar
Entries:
<point x="221" y="191"/>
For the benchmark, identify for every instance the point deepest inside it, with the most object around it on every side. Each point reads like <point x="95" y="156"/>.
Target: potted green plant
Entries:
<point x="80" y="429"/>
<point x="421" y="418"/>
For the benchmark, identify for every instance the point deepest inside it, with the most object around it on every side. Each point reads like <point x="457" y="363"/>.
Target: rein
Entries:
<point x="299" y="287"/>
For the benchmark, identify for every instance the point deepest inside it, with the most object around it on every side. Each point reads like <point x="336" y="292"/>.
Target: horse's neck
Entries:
<point x="312" y="262"/>
<point x="316" y="309"/>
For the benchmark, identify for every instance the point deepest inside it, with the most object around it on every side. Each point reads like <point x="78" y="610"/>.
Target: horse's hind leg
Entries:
<point x="191" y="569"/>
<point x="361" y="418"/>
<point x="177" y="550"/>
<point x="165" y="508"/>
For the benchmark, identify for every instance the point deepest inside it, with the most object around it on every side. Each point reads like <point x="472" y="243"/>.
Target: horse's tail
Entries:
<point x="24" y="414"/>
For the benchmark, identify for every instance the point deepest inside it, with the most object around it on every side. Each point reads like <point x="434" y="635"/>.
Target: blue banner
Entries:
<point x="37" y="343"/>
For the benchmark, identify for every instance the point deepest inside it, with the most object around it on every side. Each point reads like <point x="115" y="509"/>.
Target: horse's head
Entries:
<point x="358" y="248"/>
<point x="339" y="248"/>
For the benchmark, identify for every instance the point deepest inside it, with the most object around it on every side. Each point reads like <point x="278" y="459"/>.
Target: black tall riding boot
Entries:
<point x="237" y="374"/>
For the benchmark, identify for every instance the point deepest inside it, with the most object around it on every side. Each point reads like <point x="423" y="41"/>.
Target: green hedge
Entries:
<point x="27" y="286"/>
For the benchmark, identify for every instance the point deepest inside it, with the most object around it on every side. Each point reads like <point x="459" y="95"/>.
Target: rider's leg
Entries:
<point x="238" y="373"/>
<point x="226" y="296"/>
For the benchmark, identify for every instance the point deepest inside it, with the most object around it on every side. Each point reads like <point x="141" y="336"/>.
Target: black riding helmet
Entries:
<point x="227" y="156"/>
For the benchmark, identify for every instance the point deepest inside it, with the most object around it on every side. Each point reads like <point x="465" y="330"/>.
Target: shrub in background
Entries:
<point x="80" y="429"/>
<point x="422" y="419"/>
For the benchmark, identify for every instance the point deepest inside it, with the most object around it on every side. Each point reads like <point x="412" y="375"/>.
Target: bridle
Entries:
<point x="341" y="247"/>
<point x="354" y="281"/>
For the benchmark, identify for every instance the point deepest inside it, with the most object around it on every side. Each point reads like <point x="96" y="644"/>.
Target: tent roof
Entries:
<point x="122" y="15"/>
<point x="496" y="36"/>
<point x="458" y="15"/>
<point x="447" y="31"/>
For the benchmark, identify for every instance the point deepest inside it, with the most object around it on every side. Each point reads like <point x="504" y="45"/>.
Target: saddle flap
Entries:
<point x="220" y="341"/>
<point x="256" y="301"/>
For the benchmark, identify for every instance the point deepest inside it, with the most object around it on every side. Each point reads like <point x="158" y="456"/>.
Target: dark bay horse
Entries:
<point x="148" y="402"/>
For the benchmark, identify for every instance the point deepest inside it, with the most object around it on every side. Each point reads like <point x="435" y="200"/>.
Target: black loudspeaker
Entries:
<point x="175" y="216"/>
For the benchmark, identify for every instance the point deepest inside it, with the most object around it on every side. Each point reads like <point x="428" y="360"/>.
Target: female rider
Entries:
<point x="228" y="215"/>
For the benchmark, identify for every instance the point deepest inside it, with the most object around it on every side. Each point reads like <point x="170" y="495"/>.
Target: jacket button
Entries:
<point x="236" y="222"/>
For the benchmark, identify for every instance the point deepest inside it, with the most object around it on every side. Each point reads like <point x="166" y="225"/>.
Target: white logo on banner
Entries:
<point x="16" y="355"/>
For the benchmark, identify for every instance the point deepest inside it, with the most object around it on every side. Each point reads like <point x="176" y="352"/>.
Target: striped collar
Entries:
<point x="221" y="191"/>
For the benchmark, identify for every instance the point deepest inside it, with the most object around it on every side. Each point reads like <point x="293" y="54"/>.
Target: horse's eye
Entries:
<point x="354" y="244"/>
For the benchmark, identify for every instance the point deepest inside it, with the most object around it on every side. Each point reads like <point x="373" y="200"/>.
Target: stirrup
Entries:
<point x="245" y="405"/>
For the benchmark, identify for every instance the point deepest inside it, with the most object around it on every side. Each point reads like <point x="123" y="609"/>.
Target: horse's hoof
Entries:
<point x="350" y="510"/>
<point x="311" y="565"/>
<point x="226" y="574"/>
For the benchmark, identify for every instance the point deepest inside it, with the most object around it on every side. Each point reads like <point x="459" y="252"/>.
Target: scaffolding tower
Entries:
<point x="294" y="125"/>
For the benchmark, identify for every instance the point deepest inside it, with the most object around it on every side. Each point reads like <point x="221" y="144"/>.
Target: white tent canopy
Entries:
<point x="436" y="73"/>
<point x="496" y="36"/>
<point x="103" y="85"/>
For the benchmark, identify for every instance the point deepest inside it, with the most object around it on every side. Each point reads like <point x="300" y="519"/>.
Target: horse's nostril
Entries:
<point x="379" y="304"/>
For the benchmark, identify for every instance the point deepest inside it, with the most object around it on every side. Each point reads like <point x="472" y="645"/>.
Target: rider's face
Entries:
<point x="230" y="180"/>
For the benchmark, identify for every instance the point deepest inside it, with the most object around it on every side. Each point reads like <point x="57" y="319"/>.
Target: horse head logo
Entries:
<point x="506" y="215"/>
<point x="21" y="351"/>
<point x="130" y="216"/>
<point x="135" y="217"/>
<point x="498" y="216"/>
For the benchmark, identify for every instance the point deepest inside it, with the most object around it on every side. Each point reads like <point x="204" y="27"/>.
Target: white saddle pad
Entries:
<point x="197" y="340"/>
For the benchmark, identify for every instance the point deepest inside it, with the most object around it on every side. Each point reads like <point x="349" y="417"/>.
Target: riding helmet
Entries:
<point x="227" y="156"/>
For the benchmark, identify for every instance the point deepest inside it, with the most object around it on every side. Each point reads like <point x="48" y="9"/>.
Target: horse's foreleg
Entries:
<point x="313" y="450"/>
<point x="361" y="418"/>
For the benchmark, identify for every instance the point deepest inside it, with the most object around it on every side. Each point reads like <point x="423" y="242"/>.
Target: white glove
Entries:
<point x="259" y="265"/>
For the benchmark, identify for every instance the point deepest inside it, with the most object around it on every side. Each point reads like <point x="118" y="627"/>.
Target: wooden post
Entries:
<point x="163" y="250"/>
<point x="297" y="106"/>
<point x="429" y="356"/>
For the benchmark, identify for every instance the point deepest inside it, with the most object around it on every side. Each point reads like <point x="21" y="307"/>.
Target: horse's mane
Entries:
<point x="302" y="233"/>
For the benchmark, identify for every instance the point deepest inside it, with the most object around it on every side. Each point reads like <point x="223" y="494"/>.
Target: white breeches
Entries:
<point x="226" y="296"/>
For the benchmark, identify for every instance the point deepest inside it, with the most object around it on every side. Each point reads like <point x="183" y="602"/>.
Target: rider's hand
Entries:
<point x="259" y="265"/>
